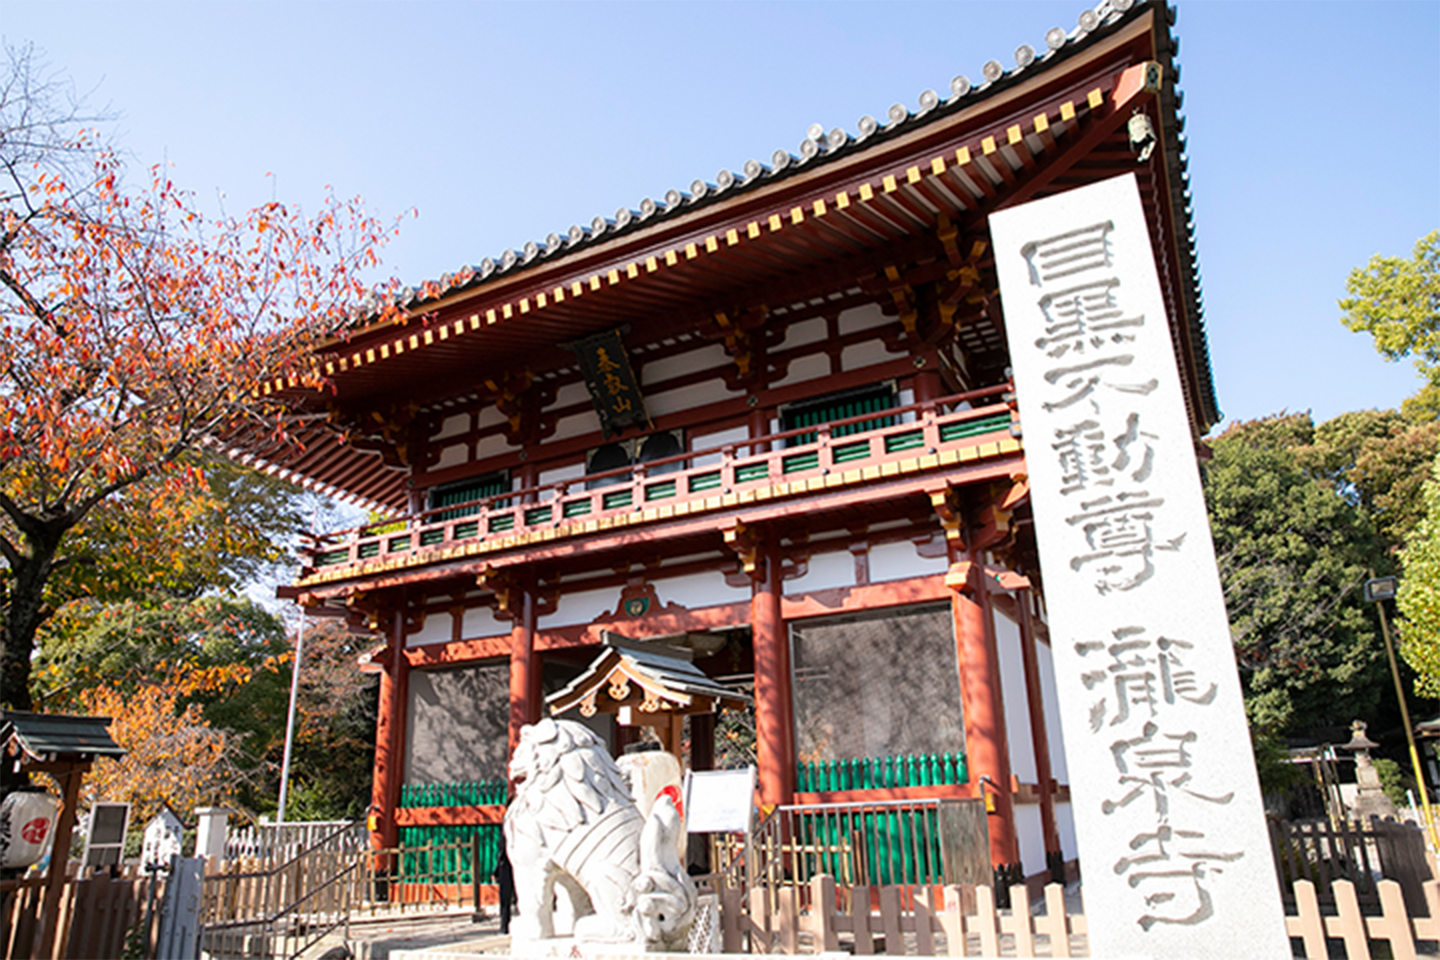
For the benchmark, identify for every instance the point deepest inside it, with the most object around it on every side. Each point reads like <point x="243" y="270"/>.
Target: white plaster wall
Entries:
<point x="1017" y="710"/>
<point x="1065" y="826"/>
<point x="686" y="398"/>
<point x="436" y="629"/>
<point x="480" y="622"/>
<point x="702" y="441"/>
<point x="803" y="369"/>
<point x="491" y="446"/>
<point x="863" y="318"/>
<point x="1059" y="766"/>
<point x="571" y="394"/>
<point x="899" y="561"/>
<point x="570" y="471"/>
<point x="581" y="607"/>
<point x="453" y="426"/>
<point x="705" y="358"/>
<point x="699" y="590"/>
<point x="867" y="354"/>
<point x="490" y="416"/>
<point x="453" y="456"/>
<point x="806" y="331"/>
<point x="1030" y="831"/>
<point x="831" y="569"/>
<point x="575" y="425"/>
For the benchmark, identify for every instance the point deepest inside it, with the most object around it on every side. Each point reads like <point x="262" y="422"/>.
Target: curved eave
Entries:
<point x="807" y="233"/>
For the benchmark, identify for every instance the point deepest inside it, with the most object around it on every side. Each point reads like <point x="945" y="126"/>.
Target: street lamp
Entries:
<point x="1377" y="591"/>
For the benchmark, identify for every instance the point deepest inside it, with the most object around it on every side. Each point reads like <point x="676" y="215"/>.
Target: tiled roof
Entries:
<point x="820" y="147"/>
<point x="817" y="214"/>
<point x="817" y="148"/>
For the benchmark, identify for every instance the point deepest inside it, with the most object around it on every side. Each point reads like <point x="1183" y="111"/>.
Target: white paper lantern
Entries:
<point x="27" y="818"/>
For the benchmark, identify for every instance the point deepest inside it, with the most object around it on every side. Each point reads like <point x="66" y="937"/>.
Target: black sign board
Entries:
<point x="612" y="384"/>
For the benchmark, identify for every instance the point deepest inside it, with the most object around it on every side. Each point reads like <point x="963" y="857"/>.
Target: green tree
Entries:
<point x="1419" y="597"/>
<point x="1377" y="460"/>
<point x="1397" y="301"/>
<point x="1294" y="552"/>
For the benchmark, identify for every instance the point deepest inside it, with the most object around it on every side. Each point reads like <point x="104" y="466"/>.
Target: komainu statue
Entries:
<point x="573" y="825"/>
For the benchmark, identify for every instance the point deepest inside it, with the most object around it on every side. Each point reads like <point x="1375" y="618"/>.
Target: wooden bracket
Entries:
<point x="746" y="545"/>
<point x="502" y="586"/>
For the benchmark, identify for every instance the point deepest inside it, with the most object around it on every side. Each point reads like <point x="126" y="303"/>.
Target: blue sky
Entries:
<point x="1313" y="128"/>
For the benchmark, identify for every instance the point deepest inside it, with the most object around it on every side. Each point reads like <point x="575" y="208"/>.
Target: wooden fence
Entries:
<point x="1322" y="854"/>
<point x="961" y="921"/>
<point x="955" y="920"/>
<point x="94" y="917"/>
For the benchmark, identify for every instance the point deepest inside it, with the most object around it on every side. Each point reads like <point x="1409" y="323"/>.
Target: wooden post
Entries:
<point x="1040" y="739"/>
<point x="774" y="729"/>
<point x="60" y="857"/>
<point x="390" y="741"/>
<point x="524" y="675"/>
<point x="987" y="747"/>
<point x="702" y="741"/>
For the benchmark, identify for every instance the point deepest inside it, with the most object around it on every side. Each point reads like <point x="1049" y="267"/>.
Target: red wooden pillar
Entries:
<point x="524" y="665"/>
<point x="390" y="741"/>
<point x="774" y="725"/>
<point x="1039" y="737"/>
<point x="927" y="386"/>
<point x="987" y="746"/>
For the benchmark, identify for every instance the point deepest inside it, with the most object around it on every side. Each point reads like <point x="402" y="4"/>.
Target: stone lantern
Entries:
<point x="1370" y="798"/>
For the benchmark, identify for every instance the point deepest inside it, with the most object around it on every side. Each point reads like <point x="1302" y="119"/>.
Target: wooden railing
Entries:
<point x="256" y="907"/>
<point x="906" y="845"/>
<point x="889" y="445"/>
<point x="424" y="876"/>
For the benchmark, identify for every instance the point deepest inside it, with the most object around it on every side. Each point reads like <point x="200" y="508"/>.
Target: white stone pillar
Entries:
<point x="211" y="832"/>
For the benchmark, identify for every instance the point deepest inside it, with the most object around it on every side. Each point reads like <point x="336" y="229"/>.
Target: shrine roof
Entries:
<point x="817" y="149"/>
<point x="664" y="667"/>
<point x="48" y="736"/>
<point x="794" y="235"/>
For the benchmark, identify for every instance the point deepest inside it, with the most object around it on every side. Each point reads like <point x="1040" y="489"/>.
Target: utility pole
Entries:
<point x="1377" y="591"/>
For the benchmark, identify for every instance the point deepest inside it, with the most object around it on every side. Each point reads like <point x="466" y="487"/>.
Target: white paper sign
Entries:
<point x="719" y="801"/>
<point x="1174" y="852"/>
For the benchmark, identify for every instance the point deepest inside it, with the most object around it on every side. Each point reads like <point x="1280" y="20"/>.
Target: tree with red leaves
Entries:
<point x="135" y="330"/>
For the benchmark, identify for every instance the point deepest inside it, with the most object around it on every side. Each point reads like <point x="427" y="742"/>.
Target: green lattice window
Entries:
<point x="466" y="491"/>
<point x="840" y="406"/>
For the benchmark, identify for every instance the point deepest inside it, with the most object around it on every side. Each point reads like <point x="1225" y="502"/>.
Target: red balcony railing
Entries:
<point x="892" y="442"/>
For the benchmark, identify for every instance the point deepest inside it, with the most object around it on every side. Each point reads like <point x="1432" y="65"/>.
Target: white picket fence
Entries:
<point x="279" y="841"/>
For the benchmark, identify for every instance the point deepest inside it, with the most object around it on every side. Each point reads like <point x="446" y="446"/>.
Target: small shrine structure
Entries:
<point x="64" y="747"/>
<point x="646" y="685"/>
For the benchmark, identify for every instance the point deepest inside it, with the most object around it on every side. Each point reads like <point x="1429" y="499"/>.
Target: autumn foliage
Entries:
<point x="134" y="330"/>
<point x="174" y="756"/>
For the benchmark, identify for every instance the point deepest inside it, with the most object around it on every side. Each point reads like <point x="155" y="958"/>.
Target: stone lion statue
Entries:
<point x="574" y="826"/>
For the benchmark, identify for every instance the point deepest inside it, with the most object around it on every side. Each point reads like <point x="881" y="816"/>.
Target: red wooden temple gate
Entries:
<point x="808" y="469"/>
